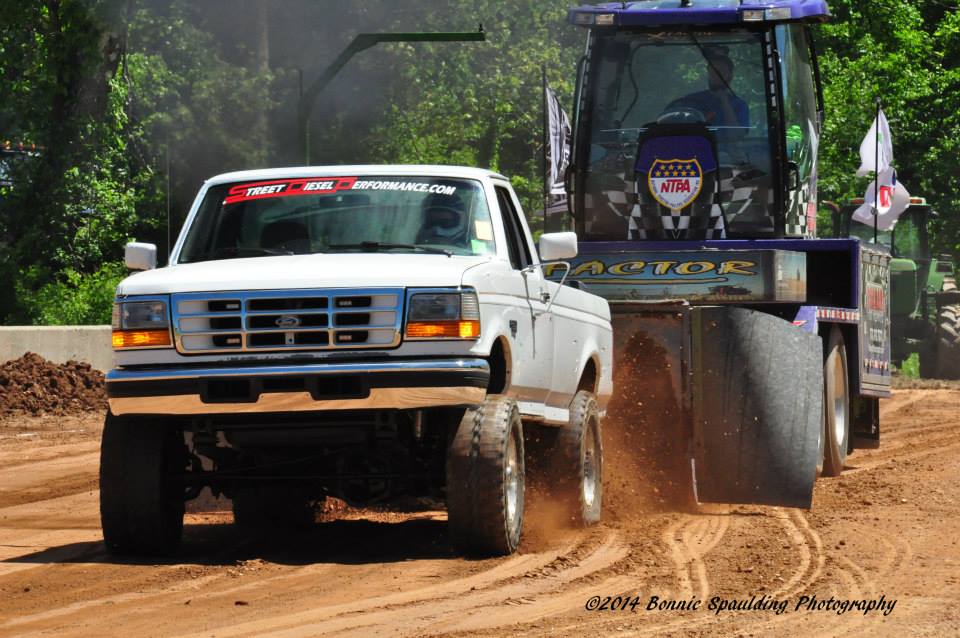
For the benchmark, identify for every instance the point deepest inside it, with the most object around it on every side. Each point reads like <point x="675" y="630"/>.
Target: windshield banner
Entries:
<point x="329" y="185"/>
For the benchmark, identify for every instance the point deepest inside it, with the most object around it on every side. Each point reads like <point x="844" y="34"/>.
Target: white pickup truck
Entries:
<point x="373" y="333"/>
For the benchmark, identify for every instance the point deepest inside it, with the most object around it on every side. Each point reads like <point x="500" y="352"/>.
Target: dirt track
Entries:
<point x="889" y="526"/>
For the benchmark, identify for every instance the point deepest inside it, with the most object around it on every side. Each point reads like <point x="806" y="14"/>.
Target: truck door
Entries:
<point x="532" y="378"/>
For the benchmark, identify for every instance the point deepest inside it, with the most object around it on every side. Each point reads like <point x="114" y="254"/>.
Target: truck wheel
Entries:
<point x="141" y="497"/>
<point x="948" y="342"/>
<point x="485" y="479"/>
<point x="836" y="406"/>
<point x="271" y="506"/>
<point x="577" y="463"/>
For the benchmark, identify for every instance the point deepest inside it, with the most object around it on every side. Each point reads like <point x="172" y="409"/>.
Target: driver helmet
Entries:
<point x="444" y="219"/>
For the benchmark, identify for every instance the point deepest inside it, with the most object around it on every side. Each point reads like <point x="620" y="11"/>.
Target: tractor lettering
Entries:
<point x="662" y="267"/>
<point x="734" y="267"/>
<point x="695" y="267"/>
<point x="628" y="268"/>
<point x="588" y="267"/>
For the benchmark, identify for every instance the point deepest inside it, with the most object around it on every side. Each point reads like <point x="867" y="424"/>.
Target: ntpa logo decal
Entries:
<point x="675" y="183"/>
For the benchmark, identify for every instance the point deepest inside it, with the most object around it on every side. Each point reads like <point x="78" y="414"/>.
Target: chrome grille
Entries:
<point x="257" y="321"/>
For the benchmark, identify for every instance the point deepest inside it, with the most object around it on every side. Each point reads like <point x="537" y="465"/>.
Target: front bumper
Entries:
<point x="298" y="388"/>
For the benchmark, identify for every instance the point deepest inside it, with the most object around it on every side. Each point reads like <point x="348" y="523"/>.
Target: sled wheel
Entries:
<point x="836" y="406"/>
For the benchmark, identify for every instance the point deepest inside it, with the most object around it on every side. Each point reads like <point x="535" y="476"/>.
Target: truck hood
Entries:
<point x="341" y="270"/>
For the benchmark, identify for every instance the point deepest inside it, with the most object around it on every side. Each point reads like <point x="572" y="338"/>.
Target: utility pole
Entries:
<point x="362" y="42"/>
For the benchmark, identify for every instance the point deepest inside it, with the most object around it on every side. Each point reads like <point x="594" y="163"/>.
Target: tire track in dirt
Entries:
<point x="221" y="590"/>
<point x="53" y="545"/>
<point x="809" y="566"/>
<point x="688" y="540"/>
<point x="53" y="475"/>
<point x="10" y="459"/>
<point x="60" y="486"/>
<point x="447" y="604"/>
<point x="808" y="545"/>
<point x="939" y="446"/>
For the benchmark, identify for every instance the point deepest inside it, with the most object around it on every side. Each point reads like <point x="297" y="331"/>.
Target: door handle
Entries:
<point x="545" y="297"/>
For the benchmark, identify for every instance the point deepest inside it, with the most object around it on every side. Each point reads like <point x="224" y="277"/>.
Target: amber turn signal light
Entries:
<point x="463" y="329"/>
<point x="140" y="338"/>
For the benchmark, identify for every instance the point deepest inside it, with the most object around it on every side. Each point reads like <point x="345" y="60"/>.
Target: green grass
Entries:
<point x="910" y="367"/>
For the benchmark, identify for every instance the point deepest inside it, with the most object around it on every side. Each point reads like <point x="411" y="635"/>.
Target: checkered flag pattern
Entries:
<point x="738" y="199"/>
<point x="651" y="220"/>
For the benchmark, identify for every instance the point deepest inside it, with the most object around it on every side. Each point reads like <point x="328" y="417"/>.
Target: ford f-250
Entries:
<point x="370" y="333"/>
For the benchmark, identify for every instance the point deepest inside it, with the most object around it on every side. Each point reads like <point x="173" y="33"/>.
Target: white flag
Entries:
<point x="876" y="158"/>
<point x="894" y="199"/>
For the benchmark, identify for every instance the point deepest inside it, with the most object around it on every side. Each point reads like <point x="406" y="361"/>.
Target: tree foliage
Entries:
<point x="135" y="102"/>
<point x="907" y="54"/>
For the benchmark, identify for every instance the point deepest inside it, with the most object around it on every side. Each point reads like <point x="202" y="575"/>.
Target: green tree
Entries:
<point x="481" y="104"/>
<point x="906" y="54"/>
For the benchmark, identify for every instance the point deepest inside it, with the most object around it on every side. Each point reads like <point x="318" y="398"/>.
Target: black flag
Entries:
<point x="556" y="159"/>
<point x="557" y="144"/>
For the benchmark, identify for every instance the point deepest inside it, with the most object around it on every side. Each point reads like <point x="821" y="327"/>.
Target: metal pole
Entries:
<point x="306" y="130"/>
<point x="546" y="141"/>
<point x="876" y="173"/>
<point x="169" y="246"/>
<point x="362" y="42"/>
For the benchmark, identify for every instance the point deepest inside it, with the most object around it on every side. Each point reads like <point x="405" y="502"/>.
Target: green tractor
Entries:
<point x="924" y="298"/>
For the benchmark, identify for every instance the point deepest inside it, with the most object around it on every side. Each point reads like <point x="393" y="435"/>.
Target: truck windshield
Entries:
<point x="710" y="78"/>
<point x="340" y="214"/>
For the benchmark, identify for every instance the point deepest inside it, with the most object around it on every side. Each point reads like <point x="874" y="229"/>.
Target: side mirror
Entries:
<point x="558" y="246"/>
<point x="138" y="256"/>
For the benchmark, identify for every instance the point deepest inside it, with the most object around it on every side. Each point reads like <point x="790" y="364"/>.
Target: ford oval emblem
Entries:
<point x="287" y="321"/>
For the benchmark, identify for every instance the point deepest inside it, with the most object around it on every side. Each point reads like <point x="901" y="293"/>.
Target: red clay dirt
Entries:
<point x="34" y="386"/>
<point x="889" y="526"/>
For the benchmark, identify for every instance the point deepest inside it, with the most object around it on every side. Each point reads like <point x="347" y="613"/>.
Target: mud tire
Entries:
<point x="836" y="405"/>
<point x="577" y="462"/>
<point x="485" y="479"/>
<point x="948" y="342"/>
<point x="141" y="502"/>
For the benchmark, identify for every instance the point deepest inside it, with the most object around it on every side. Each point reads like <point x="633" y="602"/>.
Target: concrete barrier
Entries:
<point x="59" y="344"/>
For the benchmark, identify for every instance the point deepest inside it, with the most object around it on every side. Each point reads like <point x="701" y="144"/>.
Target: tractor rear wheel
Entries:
<point x="836" y="406"/>
<point x="485" y="479"/>
<point x="948" y="342"/>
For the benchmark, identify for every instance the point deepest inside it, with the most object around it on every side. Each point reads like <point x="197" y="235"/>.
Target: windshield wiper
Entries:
<point x="242" y="251"/>
<point x="376" y="245"/>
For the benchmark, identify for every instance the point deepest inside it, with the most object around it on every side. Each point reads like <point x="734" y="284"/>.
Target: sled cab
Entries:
<point x="697" y="120"/>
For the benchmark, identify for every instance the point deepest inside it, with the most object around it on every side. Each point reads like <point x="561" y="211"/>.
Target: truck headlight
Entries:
<point x="141" y="324"/>
<point x="443" y="315"/>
